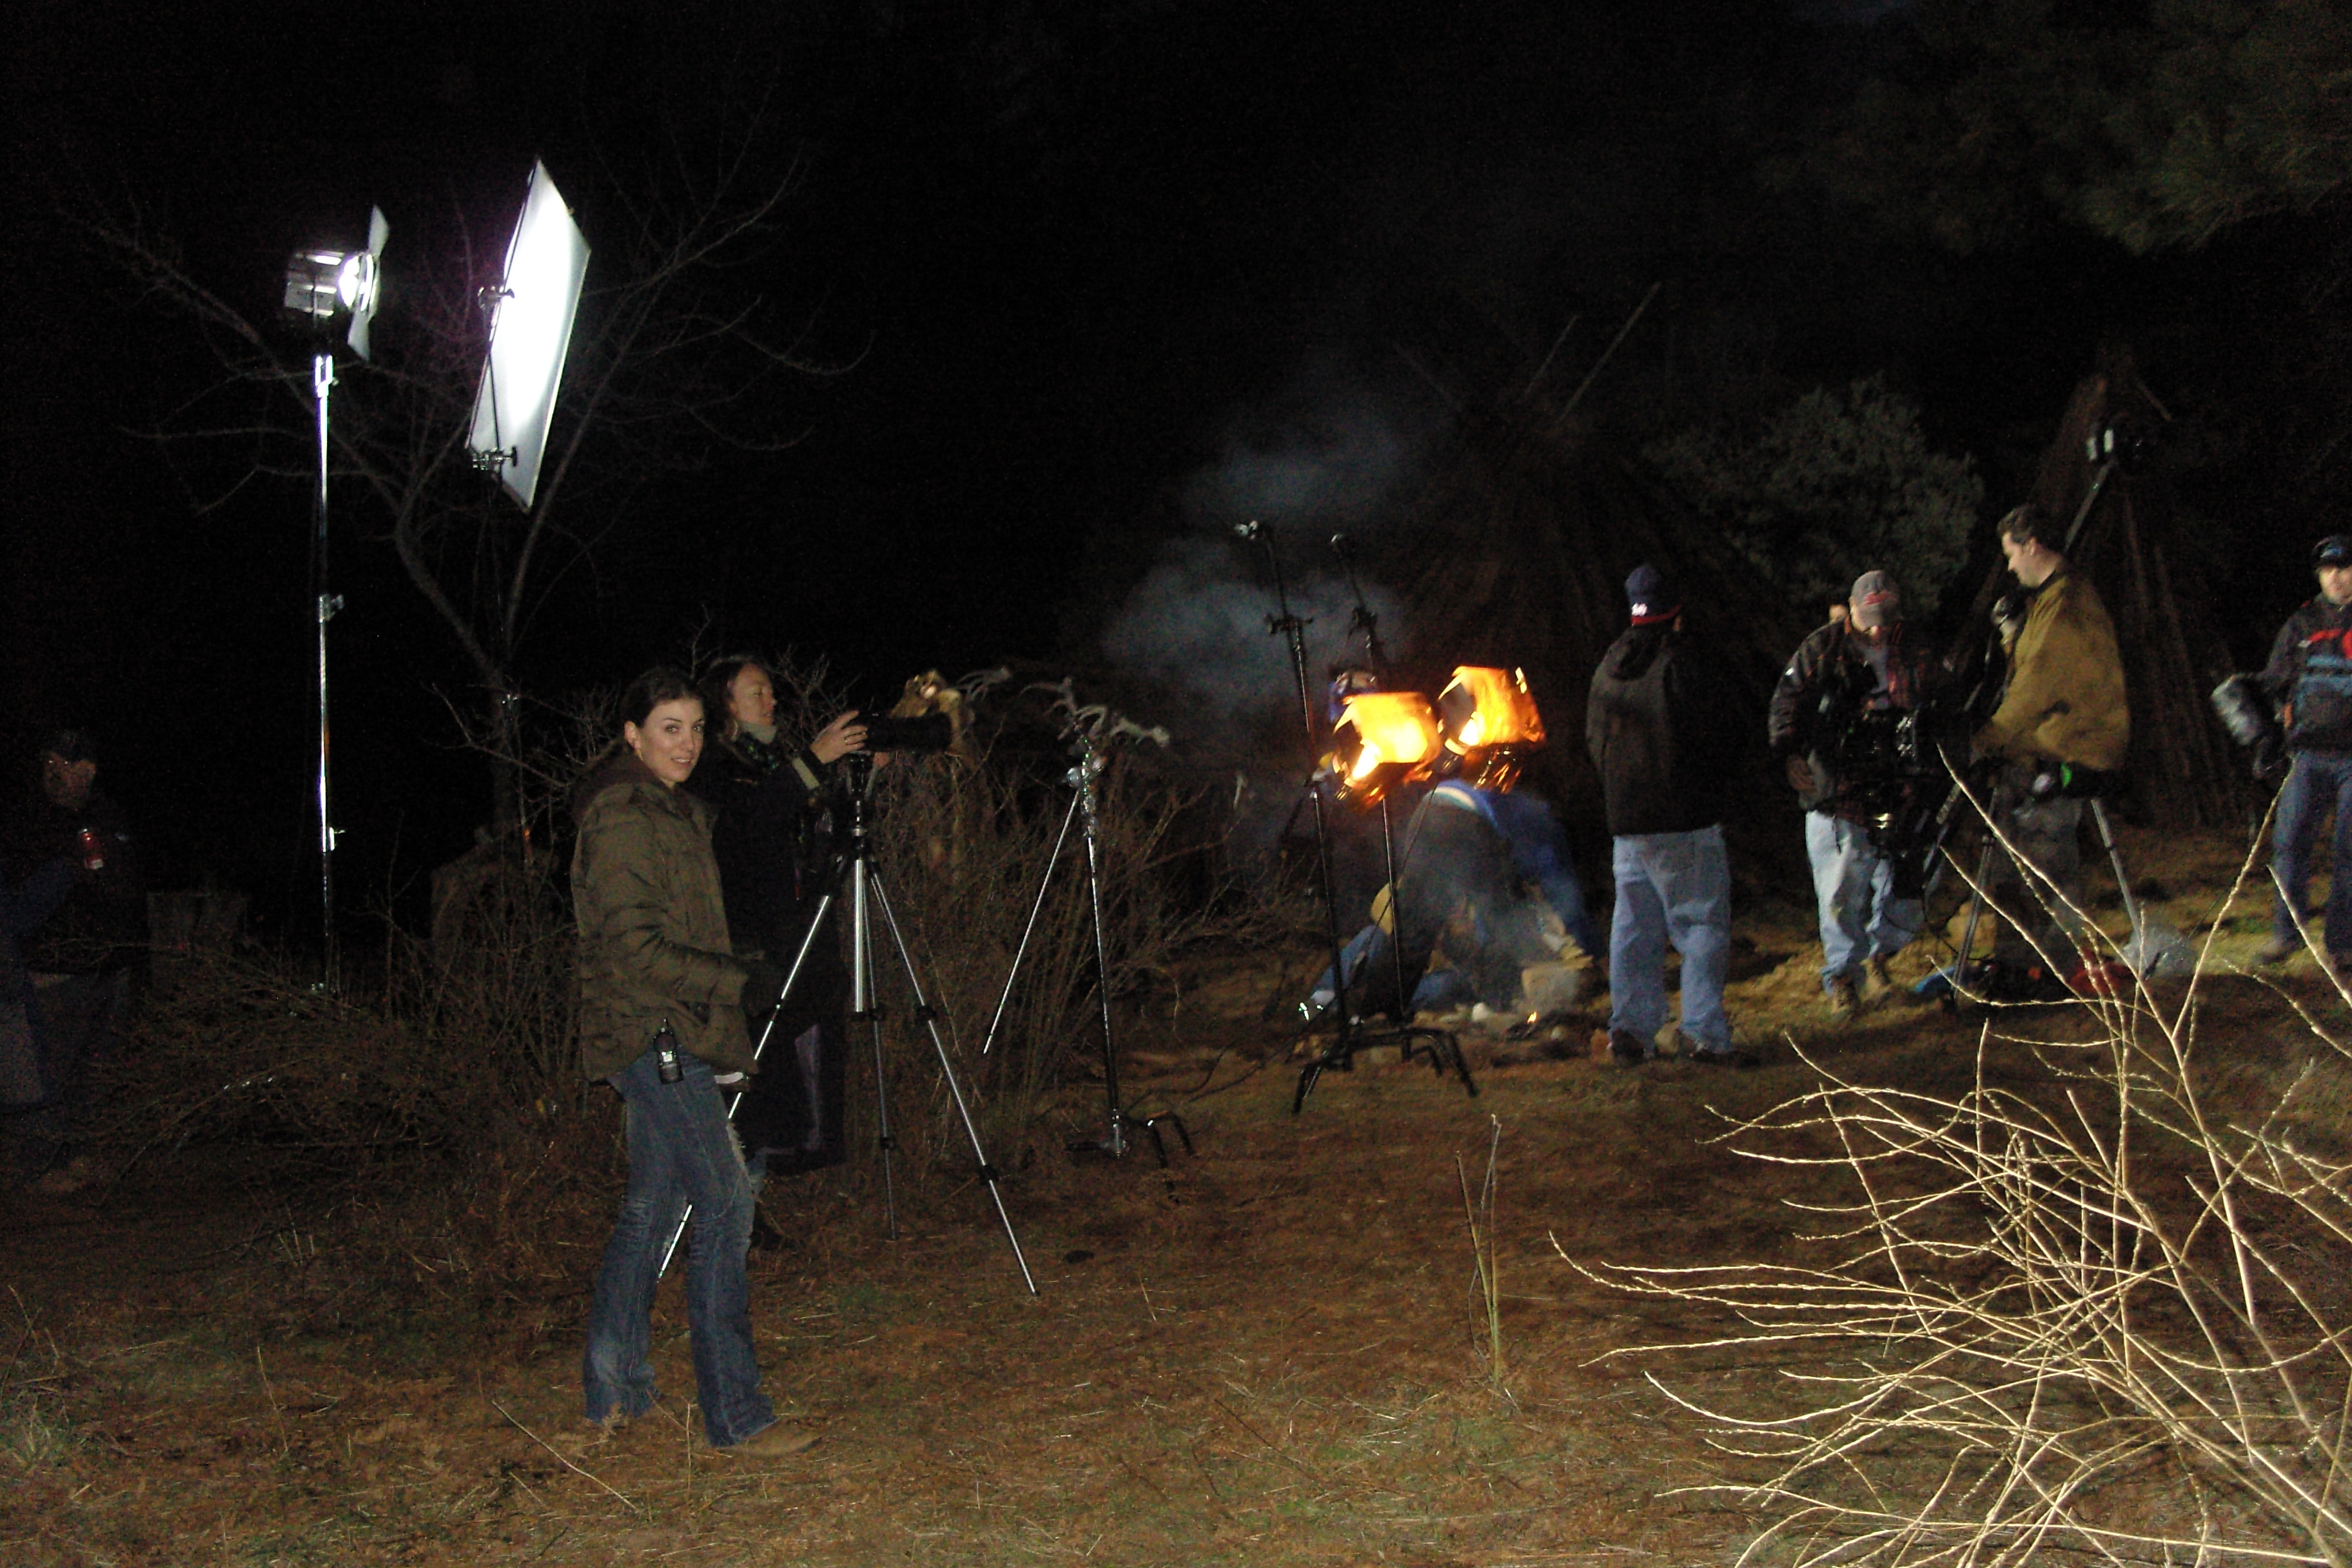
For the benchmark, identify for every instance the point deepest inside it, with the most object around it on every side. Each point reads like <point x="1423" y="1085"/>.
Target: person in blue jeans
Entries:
<point x="2310" y="677"/>
<point x="663" y="1002"/>
<point x="1668" y="750"/>
<point x="1844" y="683"/>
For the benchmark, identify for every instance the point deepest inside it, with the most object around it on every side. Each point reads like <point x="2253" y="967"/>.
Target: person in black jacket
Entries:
<point x="774" y="843"/>
<point x="84" y="960"/>
<point x="1667" y="747"/>
<point x="2310" y="676"/>
<point x="1848" y="674"/>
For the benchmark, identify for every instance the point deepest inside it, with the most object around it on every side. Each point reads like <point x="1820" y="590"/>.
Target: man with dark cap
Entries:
<point x="1849" y="674"/>
<point x="82" y="959"/>
<point x="2310" y="677"/>
<point x="1666" y="748"/>
<point x="2065" y="712"/>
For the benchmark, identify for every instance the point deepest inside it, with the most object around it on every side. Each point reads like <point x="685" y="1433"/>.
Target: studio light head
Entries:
<point x="531" y="314"/>
<point x="1383" y="739"/>
<point x="325" y="286"/>
<point x="1490" y="723"/>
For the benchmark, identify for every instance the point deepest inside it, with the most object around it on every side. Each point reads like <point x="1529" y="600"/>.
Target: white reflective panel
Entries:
<point x="529" y="334"/>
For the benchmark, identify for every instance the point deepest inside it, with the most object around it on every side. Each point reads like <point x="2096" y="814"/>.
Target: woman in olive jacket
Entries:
<point x="662" y="1003"/>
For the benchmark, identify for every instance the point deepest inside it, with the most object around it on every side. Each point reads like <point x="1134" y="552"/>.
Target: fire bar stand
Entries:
<point x="866" y="897"/>
<point x="1085" y="809"/>
<point x="1339" y="1056"/>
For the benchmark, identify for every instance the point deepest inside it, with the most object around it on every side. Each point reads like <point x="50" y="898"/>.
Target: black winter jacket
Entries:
<point x="1661" y="733"/>
<point x="2310" y="676"/>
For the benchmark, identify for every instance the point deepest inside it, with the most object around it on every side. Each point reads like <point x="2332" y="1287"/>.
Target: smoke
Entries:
<point x="1327" y="455"/>
<point x="1197" y="627"/>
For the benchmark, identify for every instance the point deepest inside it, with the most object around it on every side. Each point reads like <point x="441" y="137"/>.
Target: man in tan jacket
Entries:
<point x="2064" y="708"/>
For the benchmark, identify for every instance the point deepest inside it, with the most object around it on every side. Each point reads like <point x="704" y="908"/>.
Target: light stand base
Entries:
<point x="1441" y="1048"/>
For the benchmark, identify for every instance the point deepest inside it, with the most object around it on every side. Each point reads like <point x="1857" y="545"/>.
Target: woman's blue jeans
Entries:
<point x="681" y="1152"/>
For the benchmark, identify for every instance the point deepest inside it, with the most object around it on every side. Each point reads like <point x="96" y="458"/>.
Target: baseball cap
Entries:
<point x="2336" y="550"/>
<point x="1653" y="594"/>
<point x="1875" y="600"/>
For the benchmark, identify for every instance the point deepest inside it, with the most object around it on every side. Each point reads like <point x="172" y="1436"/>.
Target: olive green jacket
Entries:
<point x="2065" y="701"/>
<point x="651" y="928"/>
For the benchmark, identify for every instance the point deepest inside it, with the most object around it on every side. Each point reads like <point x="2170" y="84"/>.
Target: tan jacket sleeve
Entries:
<point x="2066" y="701"/>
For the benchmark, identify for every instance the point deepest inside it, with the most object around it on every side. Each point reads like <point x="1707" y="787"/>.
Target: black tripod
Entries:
<point x="867" y="896"/>
<point x="1085" y="809"/>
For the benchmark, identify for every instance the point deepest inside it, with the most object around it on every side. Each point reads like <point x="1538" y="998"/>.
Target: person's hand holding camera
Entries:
<point x="846" y="734"/>
<point x="2009" y="618"/>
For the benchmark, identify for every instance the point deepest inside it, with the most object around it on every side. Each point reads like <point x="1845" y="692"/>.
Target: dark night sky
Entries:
<point x="1080" y="254"/>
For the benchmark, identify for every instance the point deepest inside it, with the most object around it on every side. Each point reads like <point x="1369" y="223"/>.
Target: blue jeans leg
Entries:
<point x="1853" y="886"/>
<point x="2320" y="782"/>
<point x="1693" y="873"/>
<point x="1637" y="947"/>
<point x="681" y="1151"/>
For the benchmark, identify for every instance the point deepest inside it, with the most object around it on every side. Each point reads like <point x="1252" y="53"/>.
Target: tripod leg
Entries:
<point x="1976" y="912"/>
<point x="1021" y="952"/>
<point x="947" y="1067"/>
<point x="808" y="944"/>
<point x="2115" y="859"/>
<point x="862" y="1008"/>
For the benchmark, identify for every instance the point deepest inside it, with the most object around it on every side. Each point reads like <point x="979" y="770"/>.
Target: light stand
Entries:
<point x="1085" y="808"/>
<point x="1443" y="1047"/>
<point x="322" y="287"/>
<point x="866" y="897"/>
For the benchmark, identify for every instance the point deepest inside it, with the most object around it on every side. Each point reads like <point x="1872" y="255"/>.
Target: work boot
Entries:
<point x="1877" y="985"/>
<point x="780" y="1441"/>
<point x="1626" y="1050"/>
<point x="1839" y="994"/>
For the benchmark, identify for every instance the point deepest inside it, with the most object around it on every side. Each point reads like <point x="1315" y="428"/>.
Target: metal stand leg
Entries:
<point x="930" y="1020"/>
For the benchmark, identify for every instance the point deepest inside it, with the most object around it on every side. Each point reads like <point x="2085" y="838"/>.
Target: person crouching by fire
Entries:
<point x="1845" y="680"/>
<point x="662" y="1005"/>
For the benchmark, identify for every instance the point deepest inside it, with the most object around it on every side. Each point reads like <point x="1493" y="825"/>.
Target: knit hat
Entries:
<point x="1875" y="601"/>
<point x="71" y="746"/>
<point x="1653" y="596"/>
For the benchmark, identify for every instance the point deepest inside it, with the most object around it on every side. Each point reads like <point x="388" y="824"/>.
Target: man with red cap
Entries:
<point x="2310" y="677"/>
<point x="1667" y="751"/>
<point x="1843" y="678"/>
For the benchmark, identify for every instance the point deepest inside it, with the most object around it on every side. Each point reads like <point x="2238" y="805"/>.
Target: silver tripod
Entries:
<point x="867" y="895"/>
<point x="1085" y="809"/>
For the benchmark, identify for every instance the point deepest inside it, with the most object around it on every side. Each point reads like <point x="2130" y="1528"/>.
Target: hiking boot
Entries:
<point x="1839" y="996"/>
<point x="2278" y="949"/>
<point x="1877" y="985"/>
<point x="1627" y="1050"/>
<point x="1733" y="1058"/>
<point x="780" y="1441"/>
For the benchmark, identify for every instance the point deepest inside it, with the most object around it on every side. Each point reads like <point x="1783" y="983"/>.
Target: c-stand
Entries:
<point x="867" y="896"/>
<point x="1442" y="1049"/>
<point x="1085" y="808"/>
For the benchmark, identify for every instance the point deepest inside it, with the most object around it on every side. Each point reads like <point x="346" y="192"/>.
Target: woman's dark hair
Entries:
<point x="656" y="686"/>
<point x="719" y="690"/>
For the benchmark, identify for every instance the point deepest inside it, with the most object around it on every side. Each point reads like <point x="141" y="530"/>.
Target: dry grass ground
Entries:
<point x="1276" y="1354"/>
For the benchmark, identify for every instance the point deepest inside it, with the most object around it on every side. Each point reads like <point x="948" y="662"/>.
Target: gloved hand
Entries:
<point x="764" y="983"/>
<point x="2270" y="762"/>
<point x="2009" y="618"/>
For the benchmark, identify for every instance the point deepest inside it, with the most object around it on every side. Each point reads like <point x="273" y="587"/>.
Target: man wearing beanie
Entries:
<point x="1841" y="676"/>
<point x="2310" y="677"/>
<point x="1667" y="747"/>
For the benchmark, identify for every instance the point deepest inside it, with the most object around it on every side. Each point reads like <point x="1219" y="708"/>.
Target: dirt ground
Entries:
<point x="1276" y="1352"/>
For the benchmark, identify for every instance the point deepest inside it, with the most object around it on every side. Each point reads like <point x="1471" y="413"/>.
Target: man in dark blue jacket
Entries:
<point x="1667" y="747"/>
<point x="2310" y="676"/>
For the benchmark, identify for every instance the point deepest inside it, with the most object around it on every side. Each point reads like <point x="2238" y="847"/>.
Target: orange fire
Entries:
<point x="1488" y="709"/>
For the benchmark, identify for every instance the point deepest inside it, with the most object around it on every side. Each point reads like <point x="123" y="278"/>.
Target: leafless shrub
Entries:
<point x="2097" y="1308"/>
